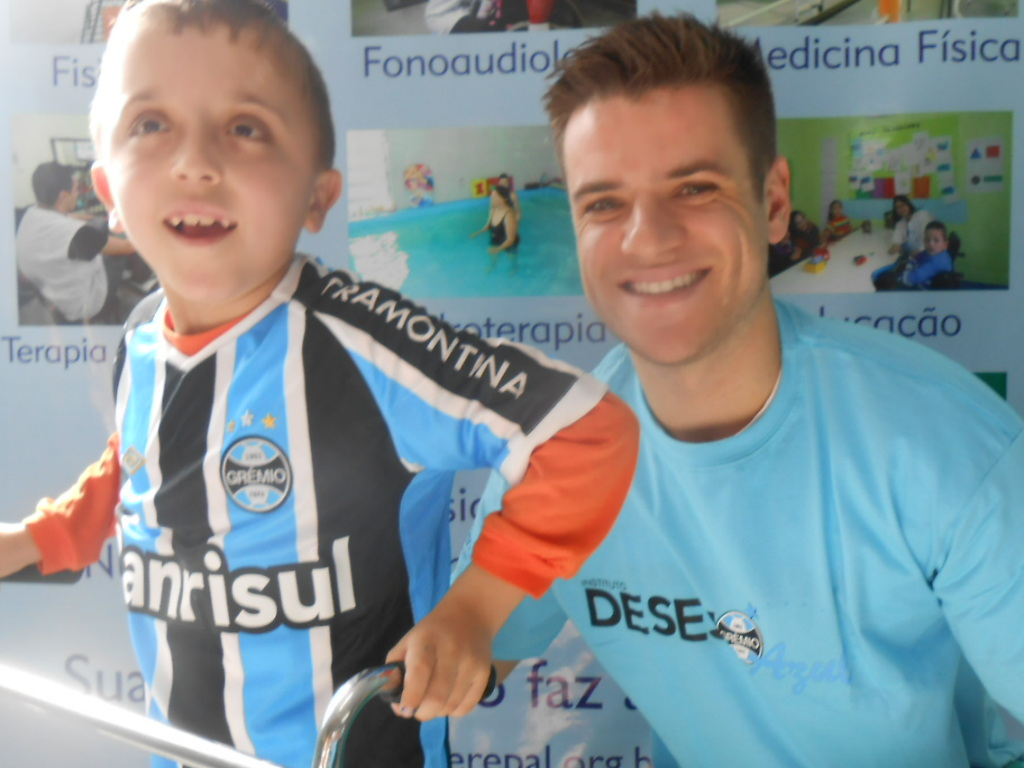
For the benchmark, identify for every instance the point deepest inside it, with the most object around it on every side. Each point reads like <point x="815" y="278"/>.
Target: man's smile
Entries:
<point x="655" y="287"/>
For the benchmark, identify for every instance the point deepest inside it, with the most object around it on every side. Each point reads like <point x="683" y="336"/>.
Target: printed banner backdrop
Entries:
<point x="876" y="98"/>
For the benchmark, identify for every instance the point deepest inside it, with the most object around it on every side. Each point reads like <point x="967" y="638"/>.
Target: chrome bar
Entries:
<point x="189" y="749"/>
<point x="131" y="727"/>
<point x="345" y="706"/>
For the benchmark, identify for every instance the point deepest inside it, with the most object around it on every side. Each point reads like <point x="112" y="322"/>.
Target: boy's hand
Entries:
<point x="17" y="548"/>
<point x="448" y="654"/>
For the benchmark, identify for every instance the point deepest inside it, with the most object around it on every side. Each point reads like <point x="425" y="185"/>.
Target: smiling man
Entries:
<point x="819" y="558"/>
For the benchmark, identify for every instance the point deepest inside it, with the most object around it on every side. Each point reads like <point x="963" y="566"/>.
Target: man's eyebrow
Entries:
<point x="699" y="166"/>
<point x="594" y="188"/>
<point x="681" y="172"/>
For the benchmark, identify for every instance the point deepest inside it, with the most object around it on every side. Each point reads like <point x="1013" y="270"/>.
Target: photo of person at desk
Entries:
<point x="62" y="256"/>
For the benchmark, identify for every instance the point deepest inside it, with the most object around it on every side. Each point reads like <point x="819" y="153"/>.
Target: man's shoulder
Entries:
<point x="40" y="222"/>
<point x="872" y="363"/>
<point x="616" y="369"/>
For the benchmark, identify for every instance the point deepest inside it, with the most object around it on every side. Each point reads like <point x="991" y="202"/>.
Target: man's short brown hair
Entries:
<point x="238" y="16"/>
<point x="647" y="54"/>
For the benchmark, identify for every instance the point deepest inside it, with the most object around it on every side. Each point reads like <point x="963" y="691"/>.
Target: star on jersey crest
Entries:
<point x="269" y="421"/>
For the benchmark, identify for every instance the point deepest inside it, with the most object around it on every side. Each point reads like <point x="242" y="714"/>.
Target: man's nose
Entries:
<point x="654" y="226"/>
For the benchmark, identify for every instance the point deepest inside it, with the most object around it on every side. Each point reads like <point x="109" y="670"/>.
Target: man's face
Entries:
<point x="672" y="231"/>
<point x="935" y="241"/>
<point x="209" y="160"/>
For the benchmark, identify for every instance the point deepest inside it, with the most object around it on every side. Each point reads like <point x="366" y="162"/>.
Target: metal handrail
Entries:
<point x="176" y="744"/>
<point x="344" y="708"/>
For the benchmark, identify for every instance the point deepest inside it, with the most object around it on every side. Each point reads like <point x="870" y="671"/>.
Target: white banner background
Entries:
<point x="56" y="412"/>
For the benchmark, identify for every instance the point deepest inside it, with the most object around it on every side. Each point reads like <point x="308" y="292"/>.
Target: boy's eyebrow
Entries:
<point x="245" y="98"/>
<point x="681" y="172"/>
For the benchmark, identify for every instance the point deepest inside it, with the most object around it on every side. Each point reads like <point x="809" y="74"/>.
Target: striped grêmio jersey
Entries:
<point x="285" y="505"/>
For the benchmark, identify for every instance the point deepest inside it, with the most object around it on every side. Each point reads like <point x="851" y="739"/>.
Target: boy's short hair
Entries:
<point x="643" y="55"/>
<point x="238" y="16"/>
<point x="936" y="224"/>
<point x="49" y="180"/>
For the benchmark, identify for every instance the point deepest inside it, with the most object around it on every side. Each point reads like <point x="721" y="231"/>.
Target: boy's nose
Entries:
<point x="196" y="160"/>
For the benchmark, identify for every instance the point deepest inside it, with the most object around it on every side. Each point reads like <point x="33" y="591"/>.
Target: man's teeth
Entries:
<point x="664" y="286"/>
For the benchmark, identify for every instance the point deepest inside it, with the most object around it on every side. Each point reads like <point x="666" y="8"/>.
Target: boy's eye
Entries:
<point x="147" y="125"/>
<point x="248" y="129"/>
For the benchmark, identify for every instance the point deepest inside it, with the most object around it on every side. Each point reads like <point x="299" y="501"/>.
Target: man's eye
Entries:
<point x="602" y="205"/>
<point x="696" y="189"/>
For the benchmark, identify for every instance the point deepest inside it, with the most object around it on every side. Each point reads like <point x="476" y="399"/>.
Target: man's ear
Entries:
<point x="777" y="201"/>
<point x="326" y="191"/>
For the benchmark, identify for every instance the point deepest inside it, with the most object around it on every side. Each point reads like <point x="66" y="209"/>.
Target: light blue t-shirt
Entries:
<point x="816" y="590"/>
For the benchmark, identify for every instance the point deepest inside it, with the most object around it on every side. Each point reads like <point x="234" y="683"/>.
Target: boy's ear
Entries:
<point x="326" y="191"/>
<point x="101" y="186"/>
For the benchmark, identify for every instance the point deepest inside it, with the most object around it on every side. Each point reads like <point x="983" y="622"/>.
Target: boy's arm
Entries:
<point x="17" y="548"/>
<point x="550" y="524"/>
<point x="567" y="502"/>
<point x="448" y="654"/>
<point x="67" y="533"/>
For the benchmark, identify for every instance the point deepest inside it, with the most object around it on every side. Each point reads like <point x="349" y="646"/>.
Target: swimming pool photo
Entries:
<point x="427" y="252"/>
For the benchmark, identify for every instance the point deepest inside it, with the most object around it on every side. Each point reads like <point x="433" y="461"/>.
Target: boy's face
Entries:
<point x="935" y="241"/>
<point x="672" y="229"/>
<point x="208" y="158"/>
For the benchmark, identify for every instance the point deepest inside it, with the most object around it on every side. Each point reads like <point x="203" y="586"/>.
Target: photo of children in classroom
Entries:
<point x="456" y="212"/>
<point x="900" y="202"/>
<point x="443" y="17"/>
<point x="772" y="13"/>
<point x="71" y="269"/>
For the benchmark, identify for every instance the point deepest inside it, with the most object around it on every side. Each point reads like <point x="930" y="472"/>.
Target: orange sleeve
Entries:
<point x="567" y="502"/>
<point x="70" y="530"/>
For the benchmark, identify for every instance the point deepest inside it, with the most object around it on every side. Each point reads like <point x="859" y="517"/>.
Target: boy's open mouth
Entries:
<point x="200" y="226"/>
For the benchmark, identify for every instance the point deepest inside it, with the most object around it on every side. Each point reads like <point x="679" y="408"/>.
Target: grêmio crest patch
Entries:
<point x="740" y="631"/>
<point x="256" y="474"/>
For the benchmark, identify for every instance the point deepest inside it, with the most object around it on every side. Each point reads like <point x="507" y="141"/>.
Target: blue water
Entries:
<point x="445" y="262"/>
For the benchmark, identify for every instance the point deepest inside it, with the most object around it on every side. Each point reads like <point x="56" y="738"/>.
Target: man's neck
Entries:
<point x="722" y="393"/>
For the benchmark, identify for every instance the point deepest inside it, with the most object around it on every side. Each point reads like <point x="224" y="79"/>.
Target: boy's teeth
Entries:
<point x="195" y="220"/>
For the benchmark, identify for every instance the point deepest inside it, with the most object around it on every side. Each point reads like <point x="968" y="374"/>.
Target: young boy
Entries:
<point x="919" y="270"/>
<point x="933" y="260"/>
<point x="286" y="436"/>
